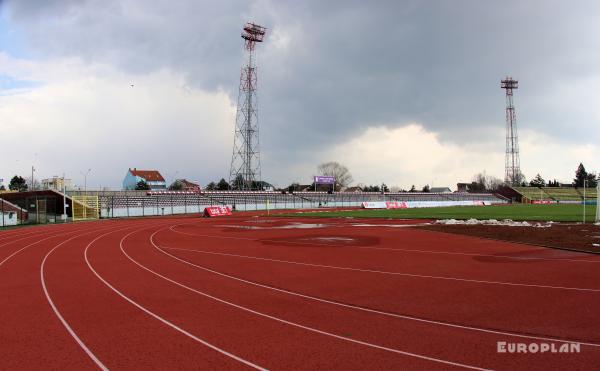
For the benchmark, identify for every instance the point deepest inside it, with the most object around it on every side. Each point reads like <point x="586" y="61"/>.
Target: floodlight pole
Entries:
<point x="512" y="166"/>
<point x="245" y="172"/>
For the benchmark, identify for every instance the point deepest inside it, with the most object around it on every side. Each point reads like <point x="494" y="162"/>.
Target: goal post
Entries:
<point x="597" y="219"/>
<point x="85" y="208"/>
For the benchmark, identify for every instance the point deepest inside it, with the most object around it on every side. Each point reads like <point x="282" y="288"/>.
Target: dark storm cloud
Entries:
<point x="347" y="64"/>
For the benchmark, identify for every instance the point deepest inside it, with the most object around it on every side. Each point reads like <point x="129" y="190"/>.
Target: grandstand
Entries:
<point x="554" y="194"/>
<point x="529" y="194"/>
<point x="144" y="203"/>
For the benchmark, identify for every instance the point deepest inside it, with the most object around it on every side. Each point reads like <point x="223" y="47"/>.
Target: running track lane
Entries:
<point x="447" y="340"/>
<point x="279" y="344"/>
<point x="119" y="334"/>
<point x="139" y="245"/>
<point x="478" y="304"/>
<point x="31" y="334"/>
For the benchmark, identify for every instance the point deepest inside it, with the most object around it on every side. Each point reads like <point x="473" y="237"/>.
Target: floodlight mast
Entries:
<point x="512" y="165"/>
<point x="245" y="173"/>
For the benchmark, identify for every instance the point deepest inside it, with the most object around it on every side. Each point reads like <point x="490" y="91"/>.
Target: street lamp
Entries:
<point x="85" y="180"/>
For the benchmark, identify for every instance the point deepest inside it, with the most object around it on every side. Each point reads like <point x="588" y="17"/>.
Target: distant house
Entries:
<point x="466" y="187"/>
<point x="151" y="177"/>
<point x="440" y="190"/>
<point x="57" y="184"/>
<point x="188" y="186"/>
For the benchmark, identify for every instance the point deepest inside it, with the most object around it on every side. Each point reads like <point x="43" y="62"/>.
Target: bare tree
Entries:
<point x="486" y="182"/>
<point x="342" y="175"/>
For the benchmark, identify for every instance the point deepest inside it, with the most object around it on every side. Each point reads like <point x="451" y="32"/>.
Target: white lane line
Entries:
<point x="387" y="248"/>
<point x="32" y="236"/>
<point x="390" y="273"/>
<point x="55" y="309"/>
<point x="420" y="356"/>
<point x="389" y="314"/>
<point x="163" y="320"/>
<point x="35" y="243"/>
<point x="17" y="234"/>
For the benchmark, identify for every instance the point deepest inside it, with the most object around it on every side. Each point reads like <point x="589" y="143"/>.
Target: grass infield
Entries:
<point x="557" y="213"/>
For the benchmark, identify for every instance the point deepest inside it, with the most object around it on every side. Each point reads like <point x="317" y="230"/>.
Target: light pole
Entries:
<point x="85" y="180"/>
<point x="64" y="189"/>
<point x="584" y="184"/>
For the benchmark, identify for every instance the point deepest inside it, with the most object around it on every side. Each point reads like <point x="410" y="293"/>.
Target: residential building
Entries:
<point x="152" y="177"/>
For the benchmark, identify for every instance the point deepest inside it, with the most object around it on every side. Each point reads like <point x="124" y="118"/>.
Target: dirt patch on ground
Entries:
<point x="583" y="237"/>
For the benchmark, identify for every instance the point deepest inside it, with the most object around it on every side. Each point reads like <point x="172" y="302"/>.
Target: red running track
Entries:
<point x="257" y="292"/>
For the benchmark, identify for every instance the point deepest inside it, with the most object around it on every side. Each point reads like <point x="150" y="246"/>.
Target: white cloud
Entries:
<point x="91" y="117"/>
<point x="411" y="155"/>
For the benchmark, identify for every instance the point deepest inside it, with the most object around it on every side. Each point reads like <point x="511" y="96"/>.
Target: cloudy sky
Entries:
<point x="402" y="92"/>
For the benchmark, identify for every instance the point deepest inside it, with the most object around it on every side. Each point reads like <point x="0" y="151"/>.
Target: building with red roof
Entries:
<point x="152" y="177"/>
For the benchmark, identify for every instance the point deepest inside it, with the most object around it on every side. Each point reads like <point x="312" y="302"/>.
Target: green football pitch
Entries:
<point x="557" y="213"/>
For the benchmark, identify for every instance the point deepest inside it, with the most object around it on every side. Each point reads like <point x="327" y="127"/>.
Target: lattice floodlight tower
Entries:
<point x="512" y="166"/>
<point x="245" y="161"/>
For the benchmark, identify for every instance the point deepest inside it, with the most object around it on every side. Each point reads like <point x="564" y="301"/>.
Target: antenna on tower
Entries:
<point x="512" y="166"/>
<point x="244" y="173"/>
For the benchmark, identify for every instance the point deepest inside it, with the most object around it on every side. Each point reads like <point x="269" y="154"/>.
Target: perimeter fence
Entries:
<point x="172" y="203"/>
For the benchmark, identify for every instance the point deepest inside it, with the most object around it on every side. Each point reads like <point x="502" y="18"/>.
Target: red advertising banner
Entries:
<point x="217" y="211"/>
<point x="395" y="205"/>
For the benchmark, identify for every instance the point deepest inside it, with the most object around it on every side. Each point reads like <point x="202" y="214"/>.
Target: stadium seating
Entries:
<point x="560" y="194"/>
<point x="563" y="193"/>
<point x="136" y="203"/>
<point x="533" y="193"/>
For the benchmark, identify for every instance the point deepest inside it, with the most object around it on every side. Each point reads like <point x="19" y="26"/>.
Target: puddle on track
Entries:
<point x="288" y="226"/>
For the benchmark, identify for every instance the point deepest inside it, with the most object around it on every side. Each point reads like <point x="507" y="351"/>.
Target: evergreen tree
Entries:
<point x="223" y="185"/>
<point x="538" y="181"/>
<point x="413" y="189"/>
<point x="176" y="185"/>
<point x="211" y="186"/>
<point x="142" y="186"/>
<point x="580" y="176"/>
<point x="591" y="180"/>
<point x="18" y="183"/>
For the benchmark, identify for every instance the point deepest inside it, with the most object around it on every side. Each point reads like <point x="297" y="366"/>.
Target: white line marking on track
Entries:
<point x="392" y="273"/>
<point x="161" y="319"/>
<point x="30" y="236"/>
<point x="464" y="327"/>
<point x="35" y="243"/>
<point x="26" y="246"/>
<point x="386" y="272"/>
<point x="437" y="360"/>
<point x="55" y="309"/>
<point x="392" y="249"/>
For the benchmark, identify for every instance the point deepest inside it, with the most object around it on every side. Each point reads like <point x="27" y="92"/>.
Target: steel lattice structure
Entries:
<point x="512" y="166"/>
<point x="245" y="173"/>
